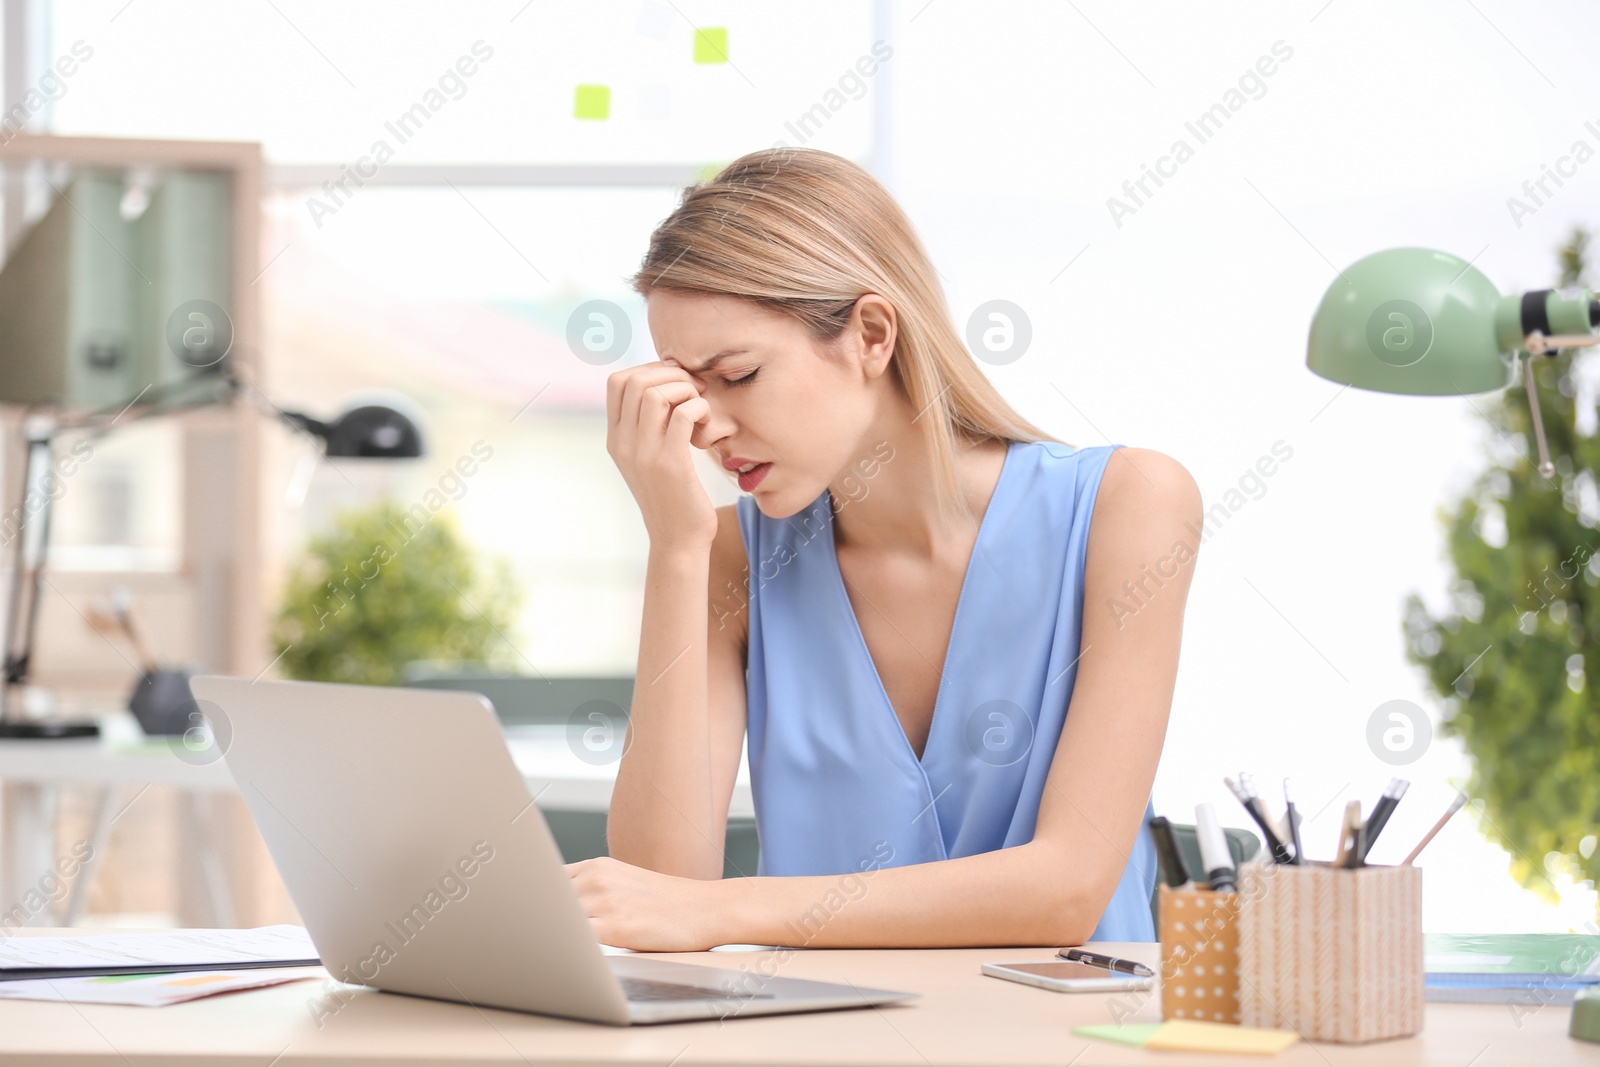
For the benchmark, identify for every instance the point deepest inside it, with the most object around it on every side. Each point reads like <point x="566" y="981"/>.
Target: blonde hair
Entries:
<point x="806" y="233"/>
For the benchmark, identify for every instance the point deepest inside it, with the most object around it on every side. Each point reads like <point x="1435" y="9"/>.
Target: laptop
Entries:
<point x="420" y="864"/>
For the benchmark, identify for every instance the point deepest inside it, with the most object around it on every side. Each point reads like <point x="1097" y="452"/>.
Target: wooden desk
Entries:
<point x="961" y="1018"/>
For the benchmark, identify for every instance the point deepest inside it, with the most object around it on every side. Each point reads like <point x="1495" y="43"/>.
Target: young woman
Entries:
<point x="951" y="640"/>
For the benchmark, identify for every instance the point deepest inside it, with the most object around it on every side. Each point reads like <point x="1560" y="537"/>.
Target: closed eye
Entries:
<point x="746" y="380"/>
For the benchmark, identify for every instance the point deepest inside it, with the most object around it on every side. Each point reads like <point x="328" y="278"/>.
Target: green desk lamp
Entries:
<point x="1426" y="323"/>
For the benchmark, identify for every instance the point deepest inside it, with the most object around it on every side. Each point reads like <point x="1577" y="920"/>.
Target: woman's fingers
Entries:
<point x="628" y="402"/>
<point x="685" y="417"/>
<point x="652" y="411"/>
<point x="625" y="388"/>
<point x="631" y="384"/>
<point x="657" y="403"/>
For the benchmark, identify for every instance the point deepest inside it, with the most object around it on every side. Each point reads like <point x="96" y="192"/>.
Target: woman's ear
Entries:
<point x="875" y="323"/>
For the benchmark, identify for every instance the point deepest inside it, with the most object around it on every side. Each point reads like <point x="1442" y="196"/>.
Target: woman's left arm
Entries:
<point x="1143" y="540"/>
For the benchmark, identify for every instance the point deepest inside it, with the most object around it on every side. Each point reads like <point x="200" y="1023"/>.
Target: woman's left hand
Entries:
<point x="637" y="908"/>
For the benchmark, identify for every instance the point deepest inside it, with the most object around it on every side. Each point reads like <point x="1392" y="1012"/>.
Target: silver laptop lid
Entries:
<point x="385" y="811"/>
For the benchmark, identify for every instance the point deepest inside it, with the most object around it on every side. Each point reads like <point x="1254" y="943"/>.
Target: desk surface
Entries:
<point x="961" y="1018"/>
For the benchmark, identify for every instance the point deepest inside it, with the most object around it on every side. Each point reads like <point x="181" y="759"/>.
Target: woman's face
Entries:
<point x="776" y="396"/>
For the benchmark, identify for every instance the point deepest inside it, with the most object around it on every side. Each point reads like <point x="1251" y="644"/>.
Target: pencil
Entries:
<point x="1455" y="805"/>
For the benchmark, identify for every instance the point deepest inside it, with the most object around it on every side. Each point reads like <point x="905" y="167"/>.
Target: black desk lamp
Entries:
<point x="371" y="431"/>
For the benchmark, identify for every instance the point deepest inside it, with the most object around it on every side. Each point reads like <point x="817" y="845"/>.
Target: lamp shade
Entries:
<point x="367" y="431"/>
<point x="373" y="431"/>
<point x="1415" y="321"/>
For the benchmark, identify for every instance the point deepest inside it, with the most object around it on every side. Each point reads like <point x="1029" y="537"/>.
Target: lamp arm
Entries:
<point x="17" y="660"/>
<point x="22" y="627"/>
<point x="301" y="421"/>
<point x="1538" y="343"/>
<point x="1546" y="468"/>
<point x="1541" y="345"/>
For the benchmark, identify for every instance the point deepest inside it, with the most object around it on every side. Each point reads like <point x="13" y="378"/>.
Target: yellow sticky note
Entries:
<point x="1192" y="1036"/>
<point x="592" y="102"/>
<point x="711" y="45"/>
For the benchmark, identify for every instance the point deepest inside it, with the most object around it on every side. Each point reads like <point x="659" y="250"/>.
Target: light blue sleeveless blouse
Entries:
<point x="836" y="784"/>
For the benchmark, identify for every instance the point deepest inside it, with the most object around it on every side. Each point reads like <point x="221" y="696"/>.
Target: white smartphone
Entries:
<point x="1065" y="976"/>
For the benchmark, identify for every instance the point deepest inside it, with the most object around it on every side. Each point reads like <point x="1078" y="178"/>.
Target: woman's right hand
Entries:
<point x="651" y="414"/>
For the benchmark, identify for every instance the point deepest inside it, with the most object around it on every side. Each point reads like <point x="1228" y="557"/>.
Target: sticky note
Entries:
<point x="655" y="102"/>
<point x="1135" y="1034"/>
<point x="655" y="20"/>
<point x="711" y="46"/>
<point x="1184" y="1036"/>
<point x="592" y="102"/>
<point x="1220" y="1037"/>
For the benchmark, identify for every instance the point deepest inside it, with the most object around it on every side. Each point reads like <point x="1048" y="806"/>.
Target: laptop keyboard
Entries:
<point x="644" y="989"/>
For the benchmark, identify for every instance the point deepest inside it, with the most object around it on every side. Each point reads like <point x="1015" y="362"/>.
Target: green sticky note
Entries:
<point x="1135" y="1034"/>
<point x="124" y="977"/>
<point x="711" y="46"/>
<point x="592" y="102"/>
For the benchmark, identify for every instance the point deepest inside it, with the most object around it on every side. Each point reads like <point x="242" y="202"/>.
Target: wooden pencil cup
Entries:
<point x="1334" y="954"/>
<point x="1199" y="954"/>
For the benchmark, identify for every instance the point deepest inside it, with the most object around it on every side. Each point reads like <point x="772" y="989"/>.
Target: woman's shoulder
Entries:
<point x="1155" y="470"/>
<point x="1141" y="484"/>
<point x="1120" y="463"/>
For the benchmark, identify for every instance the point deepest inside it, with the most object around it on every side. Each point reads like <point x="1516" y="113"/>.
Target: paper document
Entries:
<point x="166" y="950"/>
<point x="151" y="990"/>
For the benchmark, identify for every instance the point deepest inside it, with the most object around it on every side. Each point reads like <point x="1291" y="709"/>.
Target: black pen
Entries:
<point x="1111" y="963"/>
<point x="1292" y="817"/>
<point x="1382" y="810"/>
<point x="1245" y="793"/>
<point x="1167" y="851"/>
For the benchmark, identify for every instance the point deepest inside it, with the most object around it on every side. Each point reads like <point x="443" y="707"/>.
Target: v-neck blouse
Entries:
<point x="836" y="785"/>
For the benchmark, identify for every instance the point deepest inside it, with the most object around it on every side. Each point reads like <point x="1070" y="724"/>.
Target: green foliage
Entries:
<point x="1515" y="656"/>
<point x="382" y="589"/>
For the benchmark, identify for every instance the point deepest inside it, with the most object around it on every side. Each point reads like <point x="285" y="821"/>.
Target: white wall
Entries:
<point x="1009" y="124"/>
<point x="1184" y="329"/>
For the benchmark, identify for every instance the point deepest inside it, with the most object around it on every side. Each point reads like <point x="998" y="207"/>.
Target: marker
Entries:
<point x="1111" y="963"/>
<point x="1167" y="851"/>
<point x="1455" y="805"/>
<point x="1350" y="831"/>
<point x="1292" y="817"/>
<point x="1214" y="854"/>
<point x="1382" y="810"/>
<point x="1245" y="793"/>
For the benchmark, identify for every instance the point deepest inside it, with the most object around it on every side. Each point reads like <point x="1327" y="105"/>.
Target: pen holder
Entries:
<point x="1334" y="954"/>
<point x="1199" y="934"/>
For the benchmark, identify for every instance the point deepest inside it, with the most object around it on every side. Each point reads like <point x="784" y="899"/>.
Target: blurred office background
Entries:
<point x="441" y="256"/>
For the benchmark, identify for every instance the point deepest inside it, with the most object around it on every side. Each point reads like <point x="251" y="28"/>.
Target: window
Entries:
<point x="459" y="300"/>
<point x="441" y="206"/>
<point x="497" y="83"/>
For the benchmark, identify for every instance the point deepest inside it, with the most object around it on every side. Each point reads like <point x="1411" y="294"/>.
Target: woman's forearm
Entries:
<point x="1026" y="895"/>
<point x="662" y="816"/>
